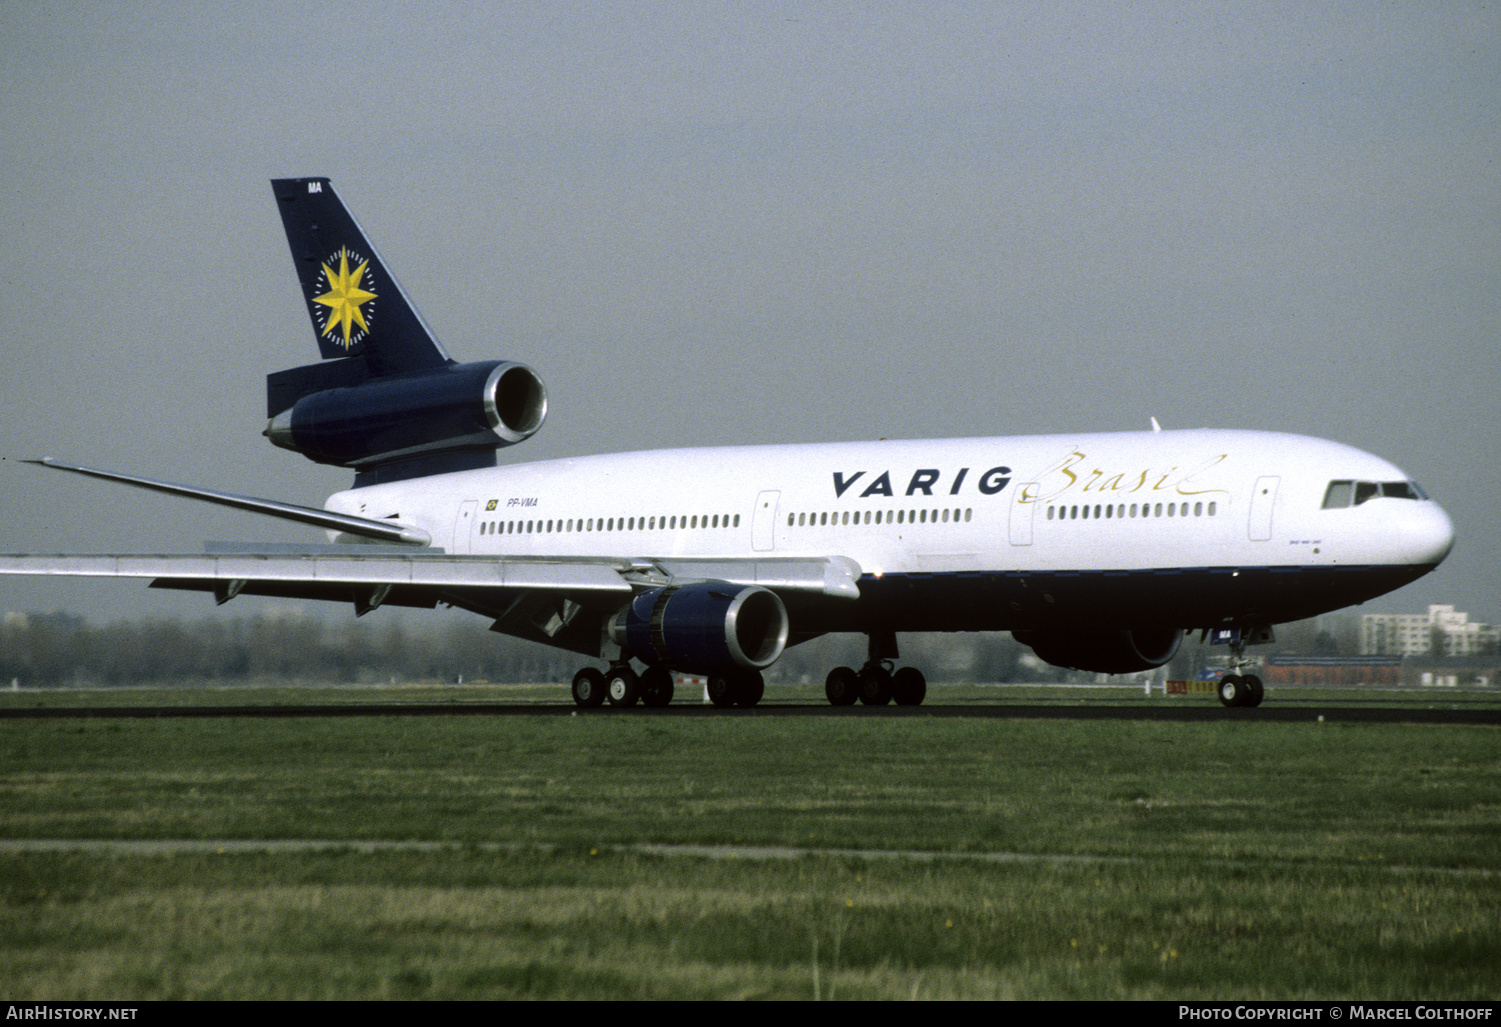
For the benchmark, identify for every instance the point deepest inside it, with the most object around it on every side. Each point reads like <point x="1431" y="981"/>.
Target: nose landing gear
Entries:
<point x="1237" y="689"/>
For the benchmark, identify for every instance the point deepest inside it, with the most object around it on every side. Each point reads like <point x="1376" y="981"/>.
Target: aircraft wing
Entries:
<point x="233" y="572"/>
<point x="536" y="598"/>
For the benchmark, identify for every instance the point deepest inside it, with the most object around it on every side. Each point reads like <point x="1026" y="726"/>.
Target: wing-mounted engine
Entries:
<point x="704" y="626"/>
<point x="1106" y="651"/>
<point x="338" y="415"/>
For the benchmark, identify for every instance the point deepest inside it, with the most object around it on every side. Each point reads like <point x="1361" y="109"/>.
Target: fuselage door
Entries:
<point x="463" y="528"/>
<point x="764" y="521"/>
<point x="1262" y="501"/>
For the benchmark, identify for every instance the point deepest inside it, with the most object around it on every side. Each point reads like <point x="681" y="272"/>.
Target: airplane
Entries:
<point x="1097" y="550"/>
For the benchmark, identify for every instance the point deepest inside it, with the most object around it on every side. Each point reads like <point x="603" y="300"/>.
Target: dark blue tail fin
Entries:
<point x="357" y="308"/>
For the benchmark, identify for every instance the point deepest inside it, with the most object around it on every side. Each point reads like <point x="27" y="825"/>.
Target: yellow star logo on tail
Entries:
<point x="345" y="298"/>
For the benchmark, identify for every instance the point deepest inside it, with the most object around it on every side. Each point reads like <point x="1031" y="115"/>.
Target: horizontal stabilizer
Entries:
<point x="380" y="531"/>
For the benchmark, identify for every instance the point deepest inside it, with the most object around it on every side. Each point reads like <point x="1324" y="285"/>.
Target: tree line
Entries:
<point x="62" y="648"/>
<point x="65" y="649"/>
<point x="55" y="649"/>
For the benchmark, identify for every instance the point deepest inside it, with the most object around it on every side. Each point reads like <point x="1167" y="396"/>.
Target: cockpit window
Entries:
<point x="1402" y="490"/>
<point x="1341" y="494"/>
<point x="1338" y="495"/>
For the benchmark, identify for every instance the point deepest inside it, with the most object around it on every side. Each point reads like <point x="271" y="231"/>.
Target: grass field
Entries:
<point x="1062" y="859"/>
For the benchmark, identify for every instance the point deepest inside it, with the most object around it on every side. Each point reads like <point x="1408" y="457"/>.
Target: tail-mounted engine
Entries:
<point x="704" y="627"/>
<point x="387" y="400"/>
<point x="1108" y="651"/>
<point x="335" y="414"/>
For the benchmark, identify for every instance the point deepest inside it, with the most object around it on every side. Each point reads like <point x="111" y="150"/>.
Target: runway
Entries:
<point x="753" y="853"/>
<point x="1419" y="712"/>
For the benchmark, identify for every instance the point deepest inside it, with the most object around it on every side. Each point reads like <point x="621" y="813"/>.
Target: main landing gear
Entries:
<point x="621" y="686"/>
<point x="736" y="688"/>
<point x="875" y="684"/>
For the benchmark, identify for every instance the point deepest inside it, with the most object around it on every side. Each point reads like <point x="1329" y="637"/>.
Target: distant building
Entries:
<point x="1442" y="631"/>
<point x="1454" y="672"/>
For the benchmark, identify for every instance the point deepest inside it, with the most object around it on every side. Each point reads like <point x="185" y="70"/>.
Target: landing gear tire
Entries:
<point x="842" y="687"/>
<point x="750" y="687"/>
<point x="656" y="687"/>
<point x="722" y="690"/>
<point x="1255" y="690"/>
<point x="875" y="686"/>
<point x="736" y="688"/>
<point x="1244" y="692"/>
<point x="588" y="688"/>
<point x="909" y="687"/>
<point x="623" y="687"/>
<point x="1234" y="691"/>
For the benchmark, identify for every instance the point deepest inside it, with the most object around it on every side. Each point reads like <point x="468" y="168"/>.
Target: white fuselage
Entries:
<point x="1188" y="528"/>
<point x="1201" y="498"/>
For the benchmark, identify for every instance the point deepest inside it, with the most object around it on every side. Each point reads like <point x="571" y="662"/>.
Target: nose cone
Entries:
<point x="1428" y="534"/>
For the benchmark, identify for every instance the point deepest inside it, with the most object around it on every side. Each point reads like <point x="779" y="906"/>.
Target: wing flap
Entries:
<point x="835" y="576"/>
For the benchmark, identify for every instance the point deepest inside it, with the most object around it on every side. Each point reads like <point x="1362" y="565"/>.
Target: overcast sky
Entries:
<point x="762" y="222"/>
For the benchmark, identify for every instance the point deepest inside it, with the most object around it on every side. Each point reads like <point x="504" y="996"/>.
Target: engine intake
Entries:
<point x="1109" y="651"/>
<point x="482" y="406"/>
<point x="704" y="627"/>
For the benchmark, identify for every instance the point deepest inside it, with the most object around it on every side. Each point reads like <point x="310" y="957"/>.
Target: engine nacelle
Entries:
<point x="481" y="406"/>
<point x="704" y="627"/>
<point x="1110" y="651"/>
